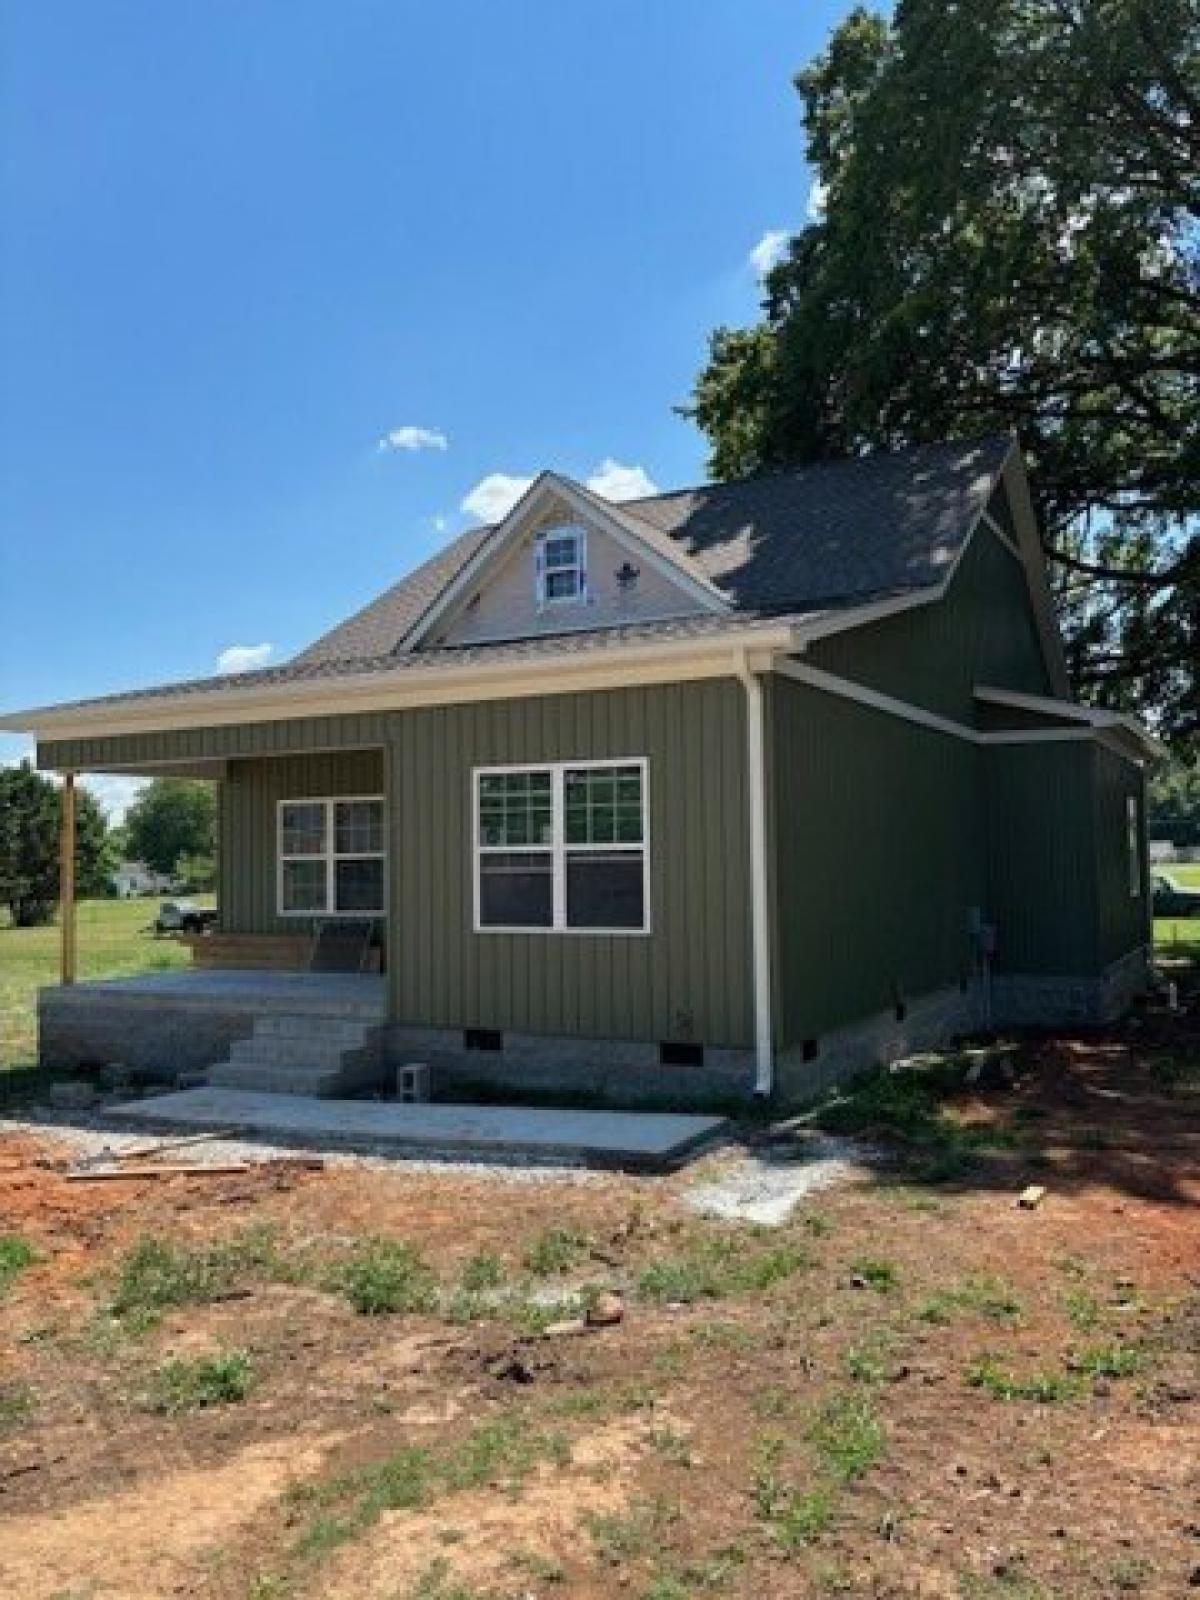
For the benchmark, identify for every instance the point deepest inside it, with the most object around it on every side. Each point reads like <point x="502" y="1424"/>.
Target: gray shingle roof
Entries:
<point x="798" y="543"/>
<point x="837" y="532"/>
<point x="380" y="626"/>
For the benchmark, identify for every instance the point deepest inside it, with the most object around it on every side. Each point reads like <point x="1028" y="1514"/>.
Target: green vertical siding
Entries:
<point x="879" y="849"/>
<point x="1043" y="857"/>
<point x="1123" y="918"/>
<point x="146" y="750"/>
<point x="689" y="978"/>
<point x="982" y="632"/>
<point x="248" y="848"/>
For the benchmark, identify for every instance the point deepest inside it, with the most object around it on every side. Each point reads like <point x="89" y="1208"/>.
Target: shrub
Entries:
<point x="194" y="1385"/>
<point x="16" y="1254"/>
<point x="386" y="1276"/>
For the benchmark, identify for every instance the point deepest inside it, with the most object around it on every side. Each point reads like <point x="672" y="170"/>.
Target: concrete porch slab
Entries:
<point x="647" y="1140"/>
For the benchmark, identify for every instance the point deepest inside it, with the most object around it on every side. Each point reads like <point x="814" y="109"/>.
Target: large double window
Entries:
<point x="331" y="857"/>
<point x="562" y="847"/>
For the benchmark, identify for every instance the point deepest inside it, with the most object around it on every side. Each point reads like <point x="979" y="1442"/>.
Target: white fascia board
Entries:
<point x="1106" y="728"/>
<point x="1029" y="541"/>
<point x="1072" y="711"/>
<point x="435" y="683"/>
<point x="589" y="509"/>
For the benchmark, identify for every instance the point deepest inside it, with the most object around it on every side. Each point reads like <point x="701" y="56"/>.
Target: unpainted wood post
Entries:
<point x="66" y="881"/>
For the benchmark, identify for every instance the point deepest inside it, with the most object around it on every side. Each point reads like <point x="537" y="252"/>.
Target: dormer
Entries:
<point x="563" y="561"/>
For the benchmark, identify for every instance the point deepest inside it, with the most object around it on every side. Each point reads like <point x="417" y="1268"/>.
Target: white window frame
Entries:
<point x="1133" y="845"/>
<point x="558" y="849"/>
<point x="330" y="855"/>
<point x="578" y="536"/>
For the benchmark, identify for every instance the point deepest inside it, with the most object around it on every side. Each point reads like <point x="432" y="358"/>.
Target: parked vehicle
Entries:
<point x="183" y="916"/>
<point x="1172" y="900"/>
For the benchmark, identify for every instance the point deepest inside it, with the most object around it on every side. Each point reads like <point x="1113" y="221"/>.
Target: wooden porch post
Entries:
<point x="66" y="881"/>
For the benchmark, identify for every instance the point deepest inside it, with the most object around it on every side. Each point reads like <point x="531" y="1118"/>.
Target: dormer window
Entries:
<point x="561" y="574"/>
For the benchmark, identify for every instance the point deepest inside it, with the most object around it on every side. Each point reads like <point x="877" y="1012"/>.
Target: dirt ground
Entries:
<point x="915" y="1387"/>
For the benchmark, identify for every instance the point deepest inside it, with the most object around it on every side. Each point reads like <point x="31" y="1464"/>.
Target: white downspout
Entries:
<point x="760" y="920"/>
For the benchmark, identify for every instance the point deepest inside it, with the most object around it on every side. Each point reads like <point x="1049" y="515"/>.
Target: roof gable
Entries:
<point x="552" y="498"/>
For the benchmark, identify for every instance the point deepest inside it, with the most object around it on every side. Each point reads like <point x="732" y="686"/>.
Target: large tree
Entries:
<point x="30" y="819"/>
<point x="172" y="817"/>
<point x="1010" y="240"/>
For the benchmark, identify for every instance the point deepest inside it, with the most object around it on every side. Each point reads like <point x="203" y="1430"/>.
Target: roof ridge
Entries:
<point x="975" y="440"/>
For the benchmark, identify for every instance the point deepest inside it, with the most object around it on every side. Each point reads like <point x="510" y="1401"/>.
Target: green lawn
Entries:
<point x="1179" y="936"/>
<point x="112" y="943"/>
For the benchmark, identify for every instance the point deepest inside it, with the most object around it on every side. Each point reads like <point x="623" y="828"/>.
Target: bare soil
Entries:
<point x="913" y="1388"/>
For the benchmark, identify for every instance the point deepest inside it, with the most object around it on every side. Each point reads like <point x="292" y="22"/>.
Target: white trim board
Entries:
<point x="846" y="689"/>
<point x="421" y="683"/>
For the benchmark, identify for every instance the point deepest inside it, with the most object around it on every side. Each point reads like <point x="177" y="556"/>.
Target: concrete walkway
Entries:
<point x="649" y="1140"/>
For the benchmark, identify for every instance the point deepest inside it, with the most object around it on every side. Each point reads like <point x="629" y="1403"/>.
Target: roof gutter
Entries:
<point x="748" y="671"/>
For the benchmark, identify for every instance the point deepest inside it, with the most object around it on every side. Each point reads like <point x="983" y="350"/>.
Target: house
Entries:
<point x="133" y="878"/>
<point x="727" y="791"/>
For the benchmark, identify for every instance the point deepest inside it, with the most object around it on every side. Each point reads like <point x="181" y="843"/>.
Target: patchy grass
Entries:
<point x="1045" y="1388"/>
<point x="716" y="1266"/>
<point x="484" y="1270"/>
<point x="16" y="1254"/>
<point x="1082" y="1309"/>
<point x="556" y="1251"/>
<point x="1108" y="1361"/>
<point x="114" y="942"/>
<point x="848" y="1436"/>
<point x="18" y="1402"/>
<point x="387" y="1276"/>
<point x="908" y="1105"/>
<point x="196" y="1384"/>
<point x="875" y="1273"/>
<point x="499" y="1453"/>
<point x="985" y="1296"/>
<point x="157" y="1272"/>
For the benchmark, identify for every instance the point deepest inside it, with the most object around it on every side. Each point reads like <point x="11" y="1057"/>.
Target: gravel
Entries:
<point x="91" y="1140"/>
<point x="766" y="1189"/>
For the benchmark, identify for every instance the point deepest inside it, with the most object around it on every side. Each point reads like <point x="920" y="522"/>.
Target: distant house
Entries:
<point x="134" y="878"/>
<point x="724" y="791"/>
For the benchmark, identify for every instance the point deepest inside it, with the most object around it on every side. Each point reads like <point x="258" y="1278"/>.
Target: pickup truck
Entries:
<point x="182" y="916"/>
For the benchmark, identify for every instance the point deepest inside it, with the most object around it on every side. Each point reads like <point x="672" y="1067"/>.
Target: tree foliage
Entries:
<point x="1174" y="795"/>
<point x="30" y="824"/>
<point x="172" y="817"/>
<point x="1010" y="241"/>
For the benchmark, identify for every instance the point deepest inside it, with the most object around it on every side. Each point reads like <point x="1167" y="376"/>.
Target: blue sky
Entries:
<point x="245" y="243"/>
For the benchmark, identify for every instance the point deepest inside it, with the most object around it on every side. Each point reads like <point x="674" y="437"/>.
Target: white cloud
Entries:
<point x="494" y="497"/>
<point x="412" y="438"/>
<point x="818" y="199"/>
<point x="617" y="482"/>
<point x="115" y="794"/>
<point x="244" y="657"/>
<point x="769" y="250"/>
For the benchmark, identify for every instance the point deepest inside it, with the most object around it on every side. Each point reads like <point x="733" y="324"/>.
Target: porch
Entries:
<point x="166" y="1023"/>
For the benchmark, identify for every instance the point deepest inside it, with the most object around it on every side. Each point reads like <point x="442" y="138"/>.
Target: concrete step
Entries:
<point x="278" y="1080"/>
<point x="290" y="1053"/>
<point x="322" y="1054"/>
<point x="350" y="1031"/>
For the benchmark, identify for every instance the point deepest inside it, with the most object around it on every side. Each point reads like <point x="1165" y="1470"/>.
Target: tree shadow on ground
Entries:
<point x="1115" y="1108"/>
